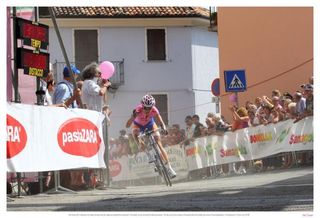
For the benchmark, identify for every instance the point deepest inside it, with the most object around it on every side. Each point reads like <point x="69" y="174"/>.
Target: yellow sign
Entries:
<point x="35" y="72"/>
<point x="36" y="43"/>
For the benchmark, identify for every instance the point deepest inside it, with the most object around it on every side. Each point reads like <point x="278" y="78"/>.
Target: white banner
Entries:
<point x="41" y="138"/>
<point x="245" y="144"/>
<point x="137" y="166"/>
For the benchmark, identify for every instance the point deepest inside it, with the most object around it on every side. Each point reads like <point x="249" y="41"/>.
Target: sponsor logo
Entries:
<point x="295" y="139"/>
<point x="233" y="152"/>
<point x="16" y="137"/>
<point x="114" y="168"/>
<point x="283" y="135"/>
<point x="263" y="137"/>
<point x="195" y="149"/>
<point x="79" y="137"/>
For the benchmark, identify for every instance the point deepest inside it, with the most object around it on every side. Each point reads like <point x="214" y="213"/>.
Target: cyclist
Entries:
<point x="143" y="118"/>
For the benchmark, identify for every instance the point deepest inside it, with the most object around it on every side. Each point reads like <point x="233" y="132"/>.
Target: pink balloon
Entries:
<point x="107" y="69"/>
<point x="233" y="98"/>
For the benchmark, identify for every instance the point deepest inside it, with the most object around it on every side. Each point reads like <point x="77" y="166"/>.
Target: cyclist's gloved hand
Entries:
<point x="164" y="130"/>
<point x="134" y="114"/>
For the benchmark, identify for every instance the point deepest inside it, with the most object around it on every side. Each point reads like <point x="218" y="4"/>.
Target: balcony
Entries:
<point x="117" y="79"/>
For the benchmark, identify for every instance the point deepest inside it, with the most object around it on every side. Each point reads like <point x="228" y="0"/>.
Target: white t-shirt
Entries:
<point x="90" y="95"/>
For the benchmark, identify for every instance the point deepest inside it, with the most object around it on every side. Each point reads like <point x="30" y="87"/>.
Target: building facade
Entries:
<point x="274" y="45"/>
<point x="169" y="53"/>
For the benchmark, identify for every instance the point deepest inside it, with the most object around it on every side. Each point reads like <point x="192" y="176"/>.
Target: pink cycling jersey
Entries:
<point x="143" y="118"/>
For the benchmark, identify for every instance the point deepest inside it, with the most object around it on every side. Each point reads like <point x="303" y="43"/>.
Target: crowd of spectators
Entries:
<point x="263" y="111"/>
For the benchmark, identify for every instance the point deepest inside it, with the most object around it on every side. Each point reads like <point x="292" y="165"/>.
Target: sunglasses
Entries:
<point x="147" y="108"/>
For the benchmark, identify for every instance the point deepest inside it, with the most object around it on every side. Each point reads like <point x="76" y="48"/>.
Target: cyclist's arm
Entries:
<point x="131" y="119"/>
<point x="159" y="120"/>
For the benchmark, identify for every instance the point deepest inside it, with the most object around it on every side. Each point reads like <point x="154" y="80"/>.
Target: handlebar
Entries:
<point x="149" y="132"/>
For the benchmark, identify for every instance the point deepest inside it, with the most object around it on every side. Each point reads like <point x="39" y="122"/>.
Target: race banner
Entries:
<point x="242" y="145"/>
<point x="42" y="138"/>
<point x="178" y="161"/>
<point x="137" y="167"/>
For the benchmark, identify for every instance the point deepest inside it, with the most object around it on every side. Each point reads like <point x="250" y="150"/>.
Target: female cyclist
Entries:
<point x="143" y="118"/>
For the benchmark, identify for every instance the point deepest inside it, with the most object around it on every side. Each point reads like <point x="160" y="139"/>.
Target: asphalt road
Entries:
<point x="278" y="190"/>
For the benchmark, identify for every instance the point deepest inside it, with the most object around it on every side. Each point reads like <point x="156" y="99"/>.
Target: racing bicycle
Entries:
<point x="153" y="149"/>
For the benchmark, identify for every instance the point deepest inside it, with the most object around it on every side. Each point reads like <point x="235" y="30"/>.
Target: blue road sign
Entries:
<point x="235" y="80"/>
<point x="215" y="87"/>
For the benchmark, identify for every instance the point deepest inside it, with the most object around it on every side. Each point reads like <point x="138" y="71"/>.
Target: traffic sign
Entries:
<point x="215" y="87"/>
<point x="235" y="80"/>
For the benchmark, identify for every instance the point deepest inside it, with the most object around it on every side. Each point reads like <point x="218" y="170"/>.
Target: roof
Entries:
<point x="129" y="12"/>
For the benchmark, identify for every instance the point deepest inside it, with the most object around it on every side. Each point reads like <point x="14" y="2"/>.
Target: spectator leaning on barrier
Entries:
<point x="308" y="94"/>
<point x="211" y="126"/>
<point x="300" y="104"/>
<point x="199" y="129"/>
<point x="253" y="120"/>
<point x="190" y="126"/>
<point x="65" y="90"/>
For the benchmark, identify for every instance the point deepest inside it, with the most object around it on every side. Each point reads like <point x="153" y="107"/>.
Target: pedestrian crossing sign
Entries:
<point x="235" y="80"/>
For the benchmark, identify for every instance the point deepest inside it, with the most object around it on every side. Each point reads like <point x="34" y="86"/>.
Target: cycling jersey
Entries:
<point x="143" y="118"/>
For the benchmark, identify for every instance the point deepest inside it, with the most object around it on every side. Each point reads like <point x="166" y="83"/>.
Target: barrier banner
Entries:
<point x="178" y="161"/>
<point x="42" y="138"/>
<point x="241" y="145"/>
<point x="137" y="166"/>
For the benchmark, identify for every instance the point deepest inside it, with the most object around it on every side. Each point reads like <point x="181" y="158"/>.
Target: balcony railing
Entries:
<point x="117" y="79"/>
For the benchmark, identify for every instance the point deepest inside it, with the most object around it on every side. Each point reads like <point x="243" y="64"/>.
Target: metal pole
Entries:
<point x="237" y="100"/>
<point x="53" y="18"/>
<point x="39" y="97"/>
<point x="106" y="153"/>
<point x="15" y="78"/>
<point x="15" y="70"/>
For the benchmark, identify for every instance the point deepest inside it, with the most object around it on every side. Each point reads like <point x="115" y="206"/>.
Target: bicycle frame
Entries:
<point x="158" y="160"/>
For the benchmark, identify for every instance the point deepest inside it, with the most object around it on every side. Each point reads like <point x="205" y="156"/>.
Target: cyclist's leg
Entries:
<point x="135" y="132"/>
<point x="156" y="135"/>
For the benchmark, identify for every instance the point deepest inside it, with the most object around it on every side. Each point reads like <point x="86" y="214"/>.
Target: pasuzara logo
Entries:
<point x="16" y="137"/>
<point x="79" y="137"/>
<point x="114" y="168"/>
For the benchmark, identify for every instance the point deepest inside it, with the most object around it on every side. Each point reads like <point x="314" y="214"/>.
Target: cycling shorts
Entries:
<point x="151" y="125"/>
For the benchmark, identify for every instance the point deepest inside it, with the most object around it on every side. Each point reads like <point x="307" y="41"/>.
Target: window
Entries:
<point x="156" y="44"/>
<point x="162" y="105"/>
<point x="86" y="47"/>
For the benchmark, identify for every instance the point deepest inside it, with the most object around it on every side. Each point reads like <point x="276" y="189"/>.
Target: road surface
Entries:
<point x="278" y="190"/>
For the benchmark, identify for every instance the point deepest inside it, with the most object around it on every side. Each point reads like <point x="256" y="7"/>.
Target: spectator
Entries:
<point x="113" y="149"/>
<point x="220" y="125"/>
<point x="250" y="106"/>
<point x="94" y="89"/>
<point x="308" y="94"/>
<point x="65" y="90"/>
<point x="292" y="111"/>
<point x="211" y="127"/>
<point x="240" y="118"/>
<point x="276" y="93"/>
<point x="179" y="133"/>
<point x="287" y="95"/>
<point x="124" y="146"/>
<point x="275" y="117"/>
<point x="266" y="118"/>
<point x="199" y="129"/>
<point x="190" y="126"/>
<point x="300" y="104"/>
<point x="253" y="120"/>
<point x="259" y="112"/>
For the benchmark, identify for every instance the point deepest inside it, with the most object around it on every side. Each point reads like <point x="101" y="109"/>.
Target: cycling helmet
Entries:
<point x="148" y="101"/>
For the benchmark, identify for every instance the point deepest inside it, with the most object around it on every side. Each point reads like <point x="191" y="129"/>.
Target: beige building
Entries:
<point x="273" y="44"/>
